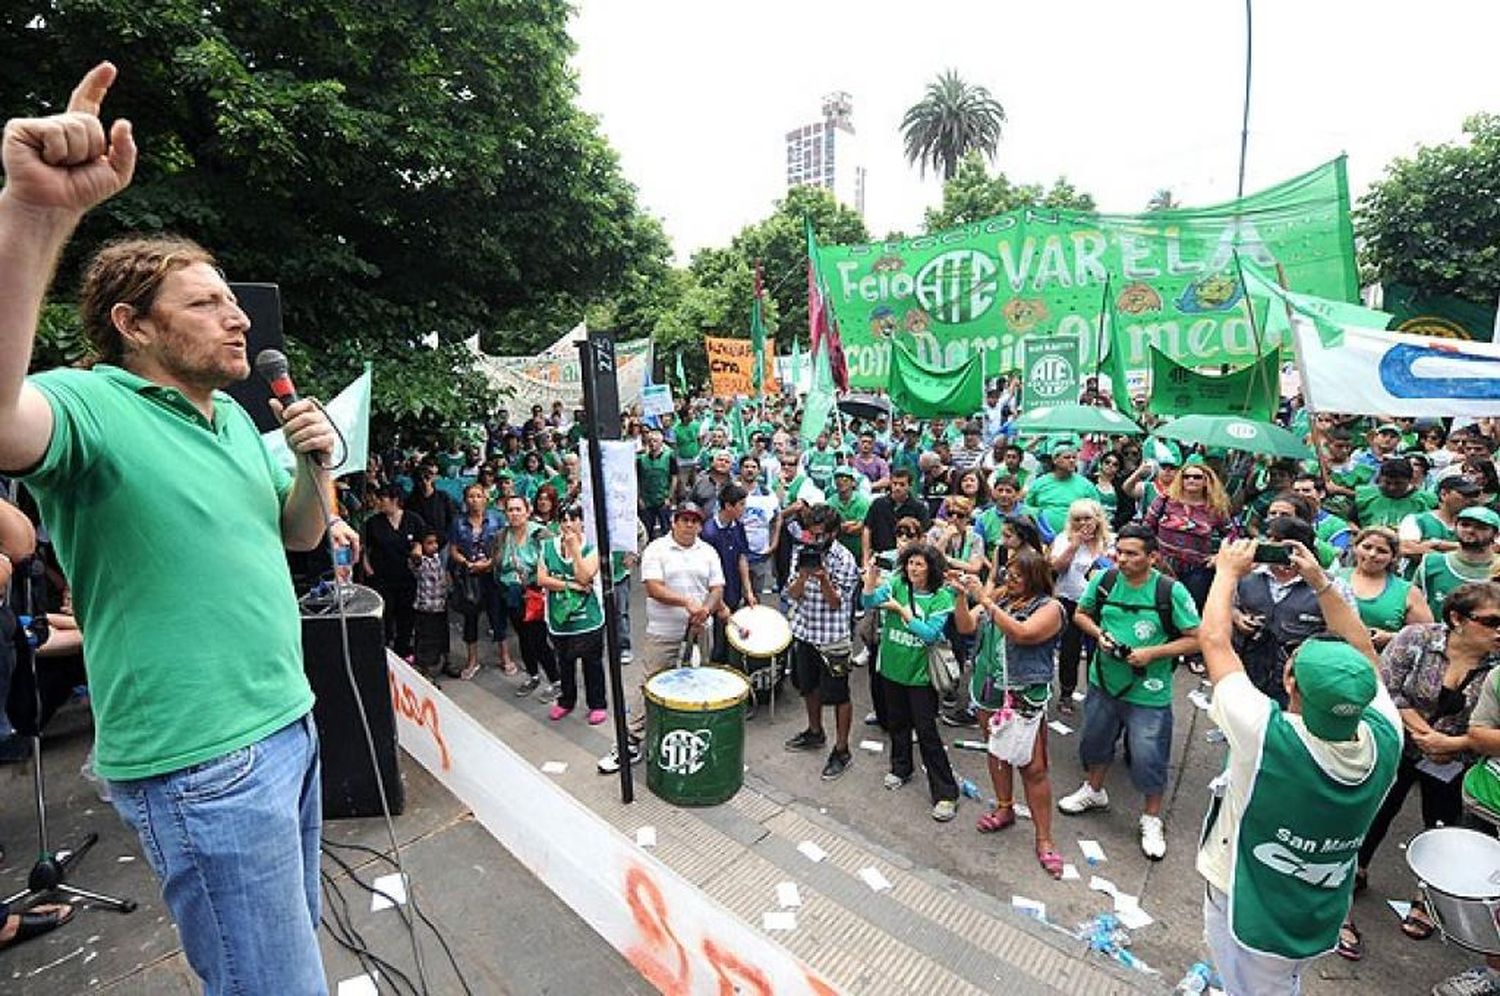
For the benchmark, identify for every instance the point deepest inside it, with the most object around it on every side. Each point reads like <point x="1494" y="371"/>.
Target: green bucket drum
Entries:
<point x="695" y="734"/>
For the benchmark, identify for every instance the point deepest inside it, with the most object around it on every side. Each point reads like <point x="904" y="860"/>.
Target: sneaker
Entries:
<point x="469" y="671"/>
<point x="838" y="763"/>
<point x="548" y="694"/>
<point x="861" y="657"/>
<point x="597" y="716"/>
<point x="871" y="719"/>
<point x="1083" y="800"/>
<point x="625" y="657"/>
<point x="893" y="781"/>
<point x="1153" y="837"/>
<point x="1478" y="981"/>
<point x="557" y="712"/>
<point x="958" y="717"/>
<point x="609" y="764"/>
<point x="528" y="686"/>
<point x="807" y="740"/>
<point x="944" y="810"/>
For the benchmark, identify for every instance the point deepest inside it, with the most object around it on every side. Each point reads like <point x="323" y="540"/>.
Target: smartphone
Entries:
<point x="1272" y="553"/>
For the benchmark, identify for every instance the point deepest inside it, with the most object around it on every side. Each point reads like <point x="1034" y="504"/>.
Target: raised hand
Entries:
<point x="64" y="162"/>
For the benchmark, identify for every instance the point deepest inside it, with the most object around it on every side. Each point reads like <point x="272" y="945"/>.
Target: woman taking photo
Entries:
<point x="1015" y="534"/>
<point x="517" y="549"/>
<point x="1019" y="625"/>
<point x="1434" y="672"/>
<point x="575" y="617"/>
<point x="1386" y="603"/>
<point x="469" y="542"/>
<point x="915" y="607"/>
<point x="1085" y="538"/>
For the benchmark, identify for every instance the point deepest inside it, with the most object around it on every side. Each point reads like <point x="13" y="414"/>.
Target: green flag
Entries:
<point x="820" y="397"/>
<point x="1051" y="373"/>
<point x="1438" y="314"/>
<point x="681" y="376"/>
<point x="795" y="374"/>
<point x="1252" y="391"/>
<point x="931" y="392"/>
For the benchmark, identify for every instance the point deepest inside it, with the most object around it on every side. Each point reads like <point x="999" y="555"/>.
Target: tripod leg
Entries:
<point x="68" y="858"/>
<point x="96" y="898"/>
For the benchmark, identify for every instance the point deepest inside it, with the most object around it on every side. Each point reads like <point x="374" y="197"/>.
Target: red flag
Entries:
<point x="823" y="329"/>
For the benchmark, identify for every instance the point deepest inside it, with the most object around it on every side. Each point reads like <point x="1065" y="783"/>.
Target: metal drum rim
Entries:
<point x="711" y="705"/>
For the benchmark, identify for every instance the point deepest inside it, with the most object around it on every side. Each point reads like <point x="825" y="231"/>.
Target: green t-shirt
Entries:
<point x="655" y="475"/>
<point x="518" y="558"/>
<point x="1372" y="508"/>
<point x="687" y="445"/>
<point x="569" y="612"/>
<point x="853" y="510"/>
<point x="169" y="530"/>
<point x="1386" y="610"/>
<point x="1439" y="573"/>
<point x="1051" y="497"/>
<point x="820" y="464"/>
<point x="1130" y="617"/>
<point x="903" y="654"/>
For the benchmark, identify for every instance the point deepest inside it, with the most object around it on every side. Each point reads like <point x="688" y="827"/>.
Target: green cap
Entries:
<point x="1195" y="460"/>
<point x="843" y="470"/>
<point x="1066" y="444"/>
<point x="1482" y="515"/>
<point x="1336" y="683"/>
<point x="1388" y="427"/>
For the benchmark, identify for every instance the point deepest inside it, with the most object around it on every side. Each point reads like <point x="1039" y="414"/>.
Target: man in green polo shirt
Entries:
<point x="1474" y="560"/>
<point x="851" y="504"/>
<point x="1391" y="498"/>
<point x="1052" y="493"/>
<point x="170" y="520"/>
<point x="1436" y="531"/>
<point x="1299" y="790"/>
<point x="656" y="472"/>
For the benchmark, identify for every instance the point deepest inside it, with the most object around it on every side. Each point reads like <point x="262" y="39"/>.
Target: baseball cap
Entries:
<point x="1482" y="515"/>
<point x="1388" y="427"/>
<point x="1336" y="683"/>
<point x="843" y="470"/>
<point x="1067" y="444"/>
<point x="1459" y="483"/>
<point x="688" y="508"/>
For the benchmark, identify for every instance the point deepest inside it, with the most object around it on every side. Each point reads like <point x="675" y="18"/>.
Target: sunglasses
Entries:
<point x="905" y="534"/>
<point x="1195" y="477"/>
<point x="1487" y="621"/>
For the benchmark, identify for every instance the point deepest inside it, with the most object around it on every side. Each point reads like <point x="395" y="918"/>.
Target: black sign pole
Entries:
<point x="601" y="409"/>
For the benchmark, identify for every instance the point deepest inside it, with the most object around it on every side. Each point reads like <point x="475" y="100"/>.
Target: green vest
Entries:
<point x="820" y="464"/>
<point x="1386" y="610"/>
<point x="903" y="656"/>
<point x="569" y="612"/>
<point x="655" y="473"/>
<point x="1292" y="861"/>
<point x="1440" y="573"/>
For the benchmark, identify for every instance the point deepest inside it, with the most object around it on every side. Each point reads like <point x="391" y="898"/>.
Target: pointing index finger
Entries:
<point x="89" y="94"/>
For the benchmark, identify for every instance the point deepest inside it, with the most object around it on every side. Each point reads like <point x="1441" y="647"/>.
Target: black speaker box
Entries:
<point x="349" y="785"/>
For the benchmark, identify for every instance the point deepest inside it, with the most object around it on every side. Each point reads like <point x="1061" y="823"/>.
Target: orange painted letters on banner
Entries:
<point x="730" y="364"/>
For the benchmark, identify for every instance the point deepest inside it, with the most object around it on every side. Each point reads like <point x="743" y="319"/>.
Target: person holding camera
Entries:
<point x="820" y="592"/>
<point x="1140" y="620"/>
<point x="1275" y="609"/>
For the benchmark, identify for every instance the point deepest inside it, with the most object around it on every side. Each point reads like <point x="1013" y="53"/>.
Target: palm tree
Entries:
<point x="952" y="118"/>
<point x="1163" y="200"/>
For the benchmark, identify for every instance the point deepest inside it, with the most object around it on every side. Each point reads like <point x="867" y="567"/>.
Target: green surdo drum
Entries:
<point x="695" y="734"/>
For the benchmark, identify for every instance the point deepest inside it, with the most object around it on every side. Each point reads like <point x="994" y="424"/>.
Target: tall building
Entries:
<point x="826" y="153"/>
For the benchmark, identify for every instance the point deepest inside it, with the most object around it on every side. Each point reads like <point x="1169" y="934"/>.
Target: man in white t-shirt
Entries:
<point x="684" y="586"/>
<point x="762" y="523"/>
<point x="1281" y="841"/>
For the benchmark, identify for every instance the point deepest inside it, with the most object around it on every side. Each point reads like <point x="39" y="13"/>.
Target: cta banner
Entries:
<point x="731" y="366"/>
<point x="1039" y="273"/>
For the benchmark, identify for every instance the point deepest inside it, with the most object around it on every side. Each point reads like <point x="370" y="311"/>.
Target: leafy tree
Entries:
<point x="952" y="119"/>
<point x="1434" y="221"/>
<point x="399" y="167"/>
<point x="1163" y="200"/>
<point x="972" y="194"/>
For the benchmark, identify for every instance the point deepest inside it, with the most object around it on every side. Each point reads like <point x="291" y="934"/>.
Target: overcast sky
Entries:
<point x="1122" y="97"/>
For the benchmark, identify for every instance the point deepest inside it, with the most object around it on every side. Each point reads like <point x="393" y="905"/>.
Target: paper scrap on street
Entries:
<point x="360" y="985"/>
<point x="873" y="746"/>
<point x="811" y="851"/>
<point x="392" y="885"/>
<point x="1131" y="916"/>
<point x="1023" y="810"/>
<point x="1102" y="885"/>
<point x="1092" y="851"/>
<point x="787" y="895"/>
<point x="1401" y="909"/>
<point x="1030" y="907"/>
<point x="645" y="837"/>
<point x="125" y="859"/>
<point x="554" y="767"/>
<point x="1059" y="727"/>
<point x="1197" y="698"/>
<point x="874" y="879"/>
<point x="1070" y="872"/>
<point x="778" y="920"/>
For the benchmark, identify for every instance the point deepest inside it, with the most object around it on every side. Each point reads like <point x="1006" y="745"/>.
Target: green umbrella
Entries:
<point x="1075" y="418"/>
<point x="1233" y="433"/>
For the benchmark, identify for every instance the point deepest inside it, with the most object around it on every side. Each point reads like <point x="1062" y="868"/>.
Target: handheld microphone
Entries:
<point x="272" y="366"/>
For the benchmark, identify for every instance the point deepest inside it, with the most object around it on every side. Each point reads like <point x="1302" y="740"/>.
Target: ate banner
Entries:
<point x="1438" y="314"/>
<point x="1050" y="372"/>
<point x="928" y="392"/>
<point x="731" y="368"/>
<point x="1253" y="392"/>
<point x="1040" y="272"/>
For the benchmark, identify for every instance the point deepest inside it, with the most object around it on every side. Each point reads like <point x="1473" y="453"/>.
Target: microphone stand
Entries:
<point x="48" y="880"/>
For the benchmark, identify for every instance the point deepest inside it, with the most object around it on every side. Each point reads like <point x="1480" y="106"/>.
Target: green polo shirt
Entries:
<point x="169" y="530"/>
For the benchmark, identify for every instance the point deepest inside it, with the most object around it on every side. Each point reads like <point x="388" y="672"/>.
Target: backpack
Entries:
<point x="1162" y="600"/>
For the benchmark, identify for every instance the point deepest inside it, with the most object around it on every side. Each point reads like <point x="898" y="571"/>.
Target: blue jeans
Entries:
<point x="234" y="842"/>
<point x="1148" y="738"/>
<point x="622" y="605"/>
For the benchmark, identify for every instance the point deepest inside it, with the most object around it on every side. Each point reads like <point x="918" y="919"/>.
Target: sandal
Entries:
<point x="1051" y="861"/>
<point x="1418" y="924"/>
<point x="1351" y="944"/>
<point x="1002" y="816"/>
<point x="39" y="921"/>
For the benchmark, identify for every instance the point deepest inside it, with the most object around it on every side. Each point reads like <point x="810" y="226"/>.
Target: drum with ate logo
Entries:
<point x="695" y="734"/>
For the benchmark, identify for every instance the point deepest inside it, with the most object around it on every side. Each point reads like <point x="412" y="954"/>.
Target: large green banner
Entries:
<point x="1040" y="272"/>
<point x="1252" y="392"/>
<point x="1050" y="371"/>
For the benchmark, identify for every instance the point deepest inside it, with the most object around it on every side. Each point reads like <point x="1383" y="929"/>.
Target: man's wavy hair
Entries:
<point x="130" y="271"/>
